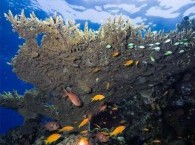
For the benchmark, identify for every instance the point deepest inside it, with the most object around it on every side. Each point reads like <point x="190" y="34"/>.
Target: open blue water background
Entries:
<point x="9" y="40"/>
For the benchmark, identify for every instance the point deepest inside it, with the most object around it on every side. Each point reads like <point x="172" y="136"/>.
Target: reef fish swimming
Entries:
<point x="83" y="141"/>
<point x="52" y="138"/>
<point x="73" y="97"/>
<point x="97" y="97"/>
<point x="128" y="62"/>
<point x="116" y="53"/>
<point x="66" y="128"/>
<point x="52" y="126"/>
<point x="84" y="122"/>
<point x="117" y="130"/>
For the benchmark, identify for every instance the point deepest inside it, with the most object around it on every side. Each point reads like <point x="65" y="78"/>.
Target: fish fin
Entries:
<point x="65" y="93"/>
<point x="59" y="130"/>
<point x="93" y="99"/>
<point x="46" y="142"/>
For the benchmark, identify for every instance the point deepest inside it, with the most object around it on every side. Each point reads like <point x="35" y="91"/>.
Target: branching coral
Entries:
<point x="11" y="99"/>
<point x="70" y="57"/>
<point x="117" y="31"/>
<point x="66" y="35"/>
<point x="117" y="61"/>
<point x="64" y="49"/>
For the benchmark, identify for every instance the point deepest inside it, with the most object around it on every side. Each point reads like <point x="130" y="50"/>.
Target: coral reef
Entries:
<point x="140" y="74"/>
<point x="186" y="24"/>
<point x="68" y="56"/>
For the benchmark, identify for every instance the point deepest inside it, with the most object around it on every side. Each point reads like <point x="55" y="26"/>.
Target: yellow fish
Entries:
<point x="84" y="132"/>
<point x="117" y="130"/>
<point x="128" y="62"/>
<point x="66" y="128"/>
<point x="52" y="138"/>
<point x="116" y="53"/>
<point x="97" y="97"/>
<point x="84" y="122"/>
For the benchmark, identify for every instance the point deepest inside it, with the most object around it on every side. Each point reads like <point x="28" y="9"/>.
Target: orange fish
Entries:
<point x="84" y="122"/>
<point x="128" y="62"/>
<point x="84" y="132"/>
<point x="116" y="53"/>
<point x="97" y="97"/>
<point x="83" y="141"/>
<point x="73" y="97"/>
<point x="52" y="138"/>
<point x="52" y="126"/>
<point x="117" y="130"/>
<point x="66" y="128"/>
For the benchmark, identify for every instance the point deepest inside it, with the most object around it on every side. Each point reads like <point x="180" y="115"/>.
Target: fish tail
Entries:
<point x="111" y="134"/>
<point x="59" y="130"/>
<point x="46" y="141"/>
<point x="65" y="93"/>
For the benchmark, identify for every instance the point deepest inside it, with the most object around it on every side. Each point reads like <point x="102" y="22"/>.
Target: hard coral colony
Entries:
<point x="92" y="64"/>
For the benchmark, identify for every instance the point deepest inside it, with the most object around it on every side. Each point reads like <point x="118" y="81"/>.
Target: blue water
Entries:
<point x="9" y="41"/>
